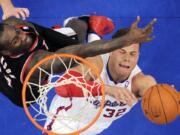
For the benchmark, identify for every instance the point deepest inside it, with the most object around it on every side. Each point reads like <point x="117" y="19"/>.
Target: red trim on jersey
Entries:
<point x="71" y="90"/>
<point x="19" y="26"/>
<point x="46" y="46"/>
<point x="34" y="44"/>
<point x="29" y="59"/>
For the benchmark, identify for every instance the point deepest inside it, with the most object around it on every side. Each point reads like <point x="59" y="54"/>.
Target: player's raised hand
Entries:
<point x="139" y="35"/>
<point x="16" y="12"/>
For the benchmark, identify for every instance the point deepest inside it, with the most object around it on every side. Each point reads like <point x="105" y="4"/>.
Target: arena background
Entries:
<point x="160" y="58"/>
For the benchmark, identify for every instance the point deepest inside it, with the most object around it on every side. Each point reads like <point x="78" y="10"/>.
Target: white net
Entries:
<point x="65" y="114"/>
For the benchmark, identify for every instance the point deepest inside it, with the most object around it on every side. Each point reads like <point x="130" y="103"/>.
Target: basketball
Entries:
<point x="160" y="104"/>
<point x="179" y="101"/>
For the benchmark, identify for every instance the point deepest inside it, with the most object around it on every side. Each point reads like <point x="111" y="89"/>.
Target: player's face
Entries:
<point x="15" y="40"/>
<point x="124" y="60"/>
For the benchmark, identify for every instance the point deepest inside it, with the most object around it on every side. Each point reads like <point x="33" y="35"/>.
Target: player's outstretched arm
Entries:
<point x="141" y="83"/>
<point x="9" y="10"/>
<point x="99" y="47"/>
<point x="135" y="35"/>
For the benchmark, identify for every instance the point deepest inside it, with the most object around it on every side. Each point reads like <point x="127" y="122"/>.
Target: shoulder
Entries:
<point x="36" y="56"/>
<point x="141" y="82"/>
<point x="96" y="61"/>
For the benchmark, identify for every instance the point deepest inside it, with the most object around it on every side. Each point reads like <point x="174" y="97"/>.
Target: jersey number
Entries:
<point x="113" y="112"/>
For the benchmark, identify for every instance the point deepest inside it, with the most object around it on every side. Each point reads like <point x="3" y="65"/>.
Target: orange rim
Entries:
<point x="94" y="69"/>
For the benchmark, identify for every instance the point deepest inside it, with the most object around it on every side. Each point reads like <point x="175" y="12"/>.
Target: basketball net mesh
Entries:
<point x="64" y="115"/>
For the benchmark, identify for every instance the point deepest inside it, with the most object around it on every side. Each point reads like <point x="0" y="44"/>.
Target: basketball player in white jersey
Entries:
<point x="124" y="84"/>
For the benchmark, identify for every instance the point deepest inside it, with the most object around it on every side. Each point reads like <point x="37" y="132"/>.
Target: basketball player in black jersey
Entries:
<point x="23" y="44"/>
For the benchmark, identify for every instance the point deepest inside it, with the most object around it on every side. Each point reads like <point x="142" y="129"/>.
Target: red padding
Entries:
<point x="71" y="90"/>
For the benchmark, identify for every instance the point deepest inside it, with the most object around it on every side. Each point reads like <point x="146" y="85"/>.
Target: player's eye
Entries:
<point x="15" y="41"/>
<point x="122" y="51"/>
<point x="134" y="53"/>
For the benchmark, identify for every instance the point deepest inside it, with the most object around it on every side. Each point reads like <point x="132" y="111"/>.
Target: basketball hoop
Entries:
<point x="76" y="114"/>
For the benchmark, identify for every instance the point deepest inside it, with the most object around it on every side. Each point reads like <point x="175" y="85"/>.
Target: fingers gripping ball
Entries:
<point x="160" y="104"/>
<point x="101" y="25"/>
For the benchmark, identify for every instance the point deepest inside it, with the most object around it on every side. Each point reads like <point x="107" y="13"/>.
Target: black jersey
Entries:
<point x="12" y="68"/>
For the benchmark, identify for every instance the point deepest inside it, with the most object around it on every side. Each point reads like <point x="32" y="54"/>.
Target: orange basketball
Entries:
<point x="160" y="104"/>
<point x="179" y="101"/>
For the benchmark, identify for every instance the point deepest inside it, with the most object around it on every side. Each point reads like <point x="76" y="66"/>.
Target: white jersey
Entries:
<point x="112" y="109"/>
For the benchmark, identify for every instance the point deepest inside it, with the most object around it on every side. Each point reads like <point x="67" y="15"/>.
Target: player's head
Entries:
<point x="122" y="61"/>
<point x="13" y="41"/>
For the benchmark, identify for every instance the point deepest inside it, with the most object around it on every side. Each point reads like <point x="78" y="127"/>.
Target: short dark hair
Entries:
<point x="2" y="26"/>
<point x="122" y="32"/>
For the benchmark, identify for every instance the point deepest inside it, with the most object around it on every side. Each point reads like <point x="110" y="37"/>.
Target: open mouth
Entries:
<point x="124" y="66"/>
